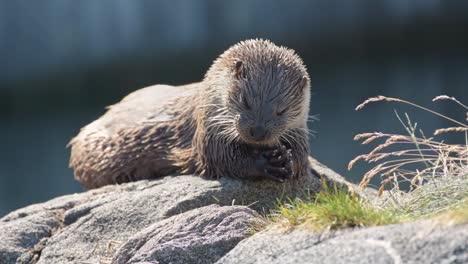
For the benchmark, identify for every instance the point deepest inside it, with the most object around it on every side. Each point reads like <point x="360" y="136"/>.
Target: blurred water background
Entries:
<point x="62" y="62"/>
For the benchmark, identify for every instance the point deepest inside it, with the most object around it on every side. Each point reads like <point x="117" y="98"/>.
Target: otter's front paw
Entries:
<point x="275" y="164"/>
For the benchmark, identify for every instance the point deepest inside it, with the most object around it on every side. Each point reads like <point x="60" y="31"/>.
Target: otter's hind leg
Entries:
<point x="92" y="160"/>
<point x="131" y="154"/>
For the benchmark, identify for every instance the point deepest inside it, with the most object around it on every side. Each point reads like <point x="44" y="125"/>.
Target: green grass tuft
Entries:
<point x="332" y="209"/>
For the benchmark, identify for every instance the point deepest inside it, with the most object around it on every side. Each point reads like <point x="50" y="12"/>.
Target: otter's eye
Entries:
<point x="245" y="103"/>
<point x="281" y="112"/>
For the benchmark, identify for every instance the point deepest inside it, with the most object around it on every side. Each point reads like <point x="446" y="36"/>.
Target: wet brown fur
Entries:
<point x="162" y="130"/>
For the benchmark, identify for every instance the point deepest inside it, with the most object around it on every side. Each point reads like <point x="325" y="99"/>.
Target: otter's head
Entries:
<point x="263" y="91"/>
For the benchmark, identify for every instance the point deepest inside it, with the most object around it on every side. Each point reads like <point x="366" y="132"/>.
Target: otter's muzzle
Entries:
<point x="258" y="133"/>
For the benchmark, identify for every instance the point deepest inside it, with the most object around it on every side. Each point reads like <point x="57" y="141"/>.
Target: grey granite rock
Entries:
<point x="186" y="219"/>
<point x="83" y="228"/>
<point x="418" y="242"/>
<point x="198" y="236"/>
<point x="23" y="236"/>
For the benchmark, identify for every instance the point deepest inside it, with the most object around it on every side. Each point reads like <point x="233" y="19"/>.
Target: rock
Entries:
<point x="186" y="219"/>
<point x="199" y="236"/>
<point x="416" y="242"/>
<point x="87" y="227"/>
<point x="21" y="236"/>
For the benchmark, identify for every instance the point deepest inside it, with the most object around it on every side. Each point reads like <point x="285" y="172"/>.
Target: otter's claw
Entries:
<point x="280" y="158"/>
<point x="277" y="164"/>
<point x="278" y="173"/>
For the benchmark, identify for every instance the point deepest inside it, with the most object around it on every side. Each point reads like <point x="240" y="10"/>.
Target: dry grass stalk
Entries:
<point x="391" y="99"/>
<point x="450" y="129"/>
<point x="420" y="159"/>
<point x="445" y="97"/>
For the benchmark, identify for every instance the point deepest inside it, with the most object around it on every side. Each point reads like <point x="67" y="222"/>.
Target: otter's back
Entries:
<point x="148" y="104"/>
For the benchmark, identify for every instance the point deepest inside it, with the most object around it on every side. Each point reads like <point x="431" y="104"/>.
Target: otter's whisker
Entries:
<point x="309" y="132"/>
<point x="313" y="118"/>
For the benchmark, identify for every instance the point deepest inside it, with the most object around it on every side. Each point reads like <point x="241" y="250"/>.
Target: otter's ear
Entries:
<point x="304" y="82"/>
<point x="239" y="69"/>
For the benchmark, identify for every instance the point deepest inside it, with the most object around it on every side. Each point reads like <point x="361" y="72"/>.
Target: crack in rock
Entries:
<point x="34" y="254"/>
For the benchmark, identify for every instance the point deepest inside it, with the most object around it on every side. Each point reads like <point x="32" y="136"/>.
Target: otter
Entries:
<point x="246" y="119"/>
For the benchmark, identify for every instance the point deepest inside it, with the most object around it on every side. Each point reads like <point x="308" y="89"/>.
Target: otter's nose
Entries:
<point x="258" y="132"/>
